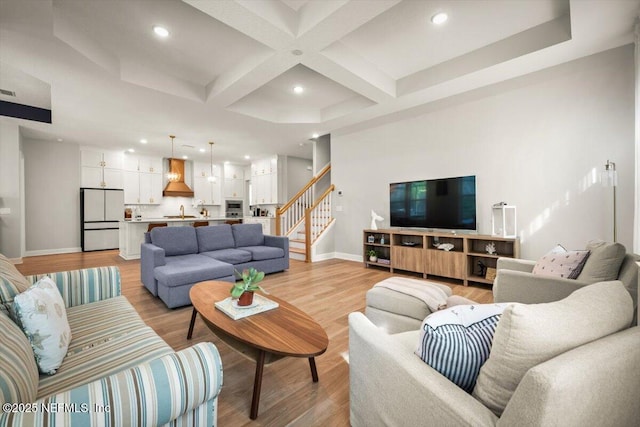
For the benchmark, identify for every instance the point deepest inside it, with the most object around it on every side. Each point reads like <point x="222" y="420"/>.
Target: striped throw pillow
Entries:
<point x="456" y="341"/>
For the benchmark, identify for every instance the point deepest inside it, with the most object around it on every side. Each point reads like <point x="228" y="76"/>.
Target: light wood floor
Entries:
<point x="328" y="291"/>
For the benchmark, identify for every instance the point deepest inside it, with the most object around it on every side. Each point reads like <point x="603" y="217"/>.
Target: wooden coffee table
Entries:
<point x="265" y="337"/>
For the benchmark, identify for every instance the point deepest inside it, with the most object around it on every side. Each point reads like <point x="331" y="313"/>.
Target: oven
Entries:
<point x="233" y="209"/>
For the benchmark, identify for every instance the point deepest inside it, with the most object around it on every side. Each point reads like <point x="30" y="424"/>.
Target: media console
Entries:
<point x="417" y="251"/>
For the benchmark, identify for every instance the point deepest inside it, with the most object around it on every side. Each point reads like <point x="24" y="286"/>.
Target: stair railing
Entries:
<point x="316" y="219"/>
<point x="289" y="216"/>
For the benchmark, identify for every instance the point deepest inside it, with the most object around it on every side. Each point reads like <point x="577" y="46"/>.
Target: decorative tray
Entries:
<point x="260" y="304"/>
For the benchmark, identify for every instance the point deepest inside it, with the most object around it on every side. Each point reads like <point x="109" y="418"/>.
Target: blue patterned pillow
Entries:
<point x="456" y="341"/>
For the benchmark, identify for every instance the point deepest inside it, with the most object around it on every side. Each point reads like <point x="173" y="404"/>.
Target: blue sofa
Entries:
<point x="173" y="259"/>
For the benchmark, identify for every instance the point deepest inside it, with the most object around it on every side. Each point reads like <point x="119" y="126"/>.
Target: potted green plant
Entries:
<point x="243" y="289"/>
<point x="373" y="256"/>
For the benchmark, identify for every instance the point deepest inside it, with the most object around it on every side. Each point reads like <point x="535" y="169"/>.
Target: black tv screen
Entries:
<point x="448" y="203"/>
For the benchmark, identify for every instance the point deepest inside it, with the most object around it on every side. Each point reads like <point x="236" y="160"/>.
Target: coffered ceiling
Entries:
<point x="227" y="70"/>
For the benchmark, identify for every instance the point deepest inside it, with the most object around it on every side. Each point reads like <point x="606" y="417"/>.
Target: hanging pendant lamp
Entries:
<point x="211" y="177"/>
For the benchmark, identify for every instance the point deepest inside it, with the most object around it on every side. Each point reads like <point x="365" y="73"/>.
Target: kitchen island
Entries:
<point x="132" y="231"/>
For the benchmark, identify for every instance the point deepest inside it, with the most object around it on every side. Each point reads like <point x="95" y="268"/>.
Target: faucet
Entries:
<point x="182" y="211"/>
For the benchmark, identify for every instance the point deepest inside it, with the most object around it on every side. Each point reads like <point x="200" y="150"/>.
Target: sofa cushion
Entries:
<point x="456" y="341"/>
<point x="561" y="263"/>
<point x="112" y="356"/>
<point x="528" y="335"/>
<point x="186" y="269"/>
<point x="247" y="235"/>
<point x="603" y="263"/>
<point x="175" y="240"/>
<point x="98" y="322"/>
<point x="231" y="256"/>
<point x="259" y="253"/>
<point x="12" y="282"/>
<point x="214" y="237"/>
<point x="40" y="310"/>
<point x="18" y="369"/>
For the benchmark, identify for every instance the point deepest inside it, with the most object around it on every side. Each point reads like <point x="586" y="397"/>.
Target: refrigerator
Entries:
<point x="100" y="213"/>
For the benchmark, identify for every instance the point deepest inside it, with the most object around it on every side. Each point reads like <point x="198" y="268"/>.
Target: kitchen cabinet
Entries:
<point x="142" y="180"/>
<point x="209" y="192"/>
<point x="267" y="181"/>
<point x="268" y="223"/>
<point x="233" y="182"/>
<point x="101" y="169"/>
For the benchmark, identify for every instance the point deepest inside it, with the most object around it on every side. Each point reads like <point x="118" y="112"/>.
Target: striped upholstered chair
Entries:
<point x="117" y="370"/>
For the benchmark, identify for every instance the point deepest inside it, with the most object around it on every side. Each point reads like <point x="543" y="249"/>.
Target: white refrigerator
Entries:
<point x="100" y="213"/>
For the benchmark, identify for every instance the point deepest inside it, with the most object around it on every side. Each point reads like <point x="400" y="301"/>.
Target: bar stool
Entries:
<point x="233" y="221"/>
<point x="156" y="224"/>
<point x="200" y="223"/>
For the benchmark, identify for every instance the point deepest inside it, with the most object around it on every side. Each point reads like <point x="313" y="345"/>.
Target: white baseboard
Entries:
<point x="348" y="257"/>
<point x="323" y="257"/>
<point x="52" y="251"/>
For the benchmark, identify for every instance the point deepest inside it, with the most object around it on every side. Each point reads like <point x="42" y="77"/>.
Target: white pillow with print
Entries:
<point x="41" y="313"/>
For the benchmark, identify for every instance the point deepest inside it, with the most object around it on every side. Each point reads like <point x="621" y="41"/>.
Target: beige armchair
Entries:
<point x="516" y="283"/>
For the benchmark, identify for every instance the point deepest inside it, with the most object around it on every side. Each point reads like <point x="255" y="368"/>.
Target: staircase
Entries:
<point x="304" y="218"/>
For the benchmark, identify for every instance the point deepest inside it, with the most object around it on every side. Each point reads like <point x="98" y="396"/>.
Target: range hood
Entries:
<point x="177" y="188"/>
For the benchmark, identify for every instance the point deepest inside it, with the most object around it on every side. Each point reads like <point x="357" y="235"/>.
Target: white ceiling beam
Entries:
<point x="229" y="88"/>
<point x="349" y="79"/>
<point x="255" y="26"/>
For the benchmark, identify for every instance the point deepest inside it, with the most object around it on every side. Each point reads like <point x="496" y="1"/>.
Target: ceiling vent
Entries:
<point x="7" y="92"/>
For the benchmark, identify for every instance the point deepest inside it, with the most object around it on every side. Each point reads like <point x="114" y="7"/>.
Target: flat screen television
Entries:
<point x="448" y="203"/>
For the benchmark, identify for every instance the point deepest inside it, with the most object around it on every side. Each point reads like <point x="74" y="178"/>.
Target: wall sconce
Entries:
<point x="609" y="178"/>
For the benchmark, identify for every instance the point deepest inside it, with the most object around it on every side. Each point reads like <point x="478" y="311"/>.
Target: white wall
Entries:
<point x="52" y="197"/>
<point x="299" y="173"/>
<point x="10" y="190"/>
<point x="538" y="142"/>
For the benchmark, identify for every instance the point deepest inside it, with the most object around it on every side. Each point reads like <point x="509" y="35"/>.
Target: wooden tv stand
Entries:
<point x="416" y="251"/>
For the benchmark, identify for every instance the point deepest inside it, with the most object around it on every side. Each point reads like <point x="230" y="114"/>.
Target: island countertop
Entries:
<point x="162" y="219"/>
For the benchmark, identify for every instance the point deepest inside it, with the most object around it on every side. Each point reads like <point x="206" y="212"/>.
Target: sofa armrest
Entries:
<point x="389" y="385"/>
<point x="151" y="256"/>
<point x="281" y="242"/>
<point x="527" y="288"/>
<point x="594" y="384"/>
<point x="515" y="264"/>
<point x="84" y="286"/>
<point x="150" y="394"/>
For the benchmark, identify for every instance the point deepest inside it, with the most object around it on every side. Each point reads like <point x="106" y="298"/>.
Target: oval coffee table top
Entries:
<point x="286" y="330"/>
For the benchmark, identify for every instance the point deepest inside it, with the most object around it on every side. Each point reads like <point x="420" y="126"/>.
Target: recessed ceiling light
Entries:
<point x="202" y="150"/>
<point x="131" y="150"/>
<point x="226" y="162"/>
<point x="439" y="18"/>
<point x="160" y="31"/>
<point x="185" y="157"/>
<point x="296" y="52"/>
<point x="143" y="141"/>
<point x="247" y="157"/>
<point x="298" y="89"/>
<point x="60" y="139"/>
<point x="315" y="135"/>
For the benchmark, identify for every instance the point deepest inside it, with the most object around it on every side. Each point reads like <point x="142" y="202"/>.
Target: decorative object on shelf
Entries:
<point x="371" y="238"/>
<point x="373" y="255"/>
<point x="482" y="267"/>
<point x="243" y="290"/>
<point x="375" y="217"/>
<point x="503" y="220"/>
<point x="609" y="178"/>
<point x="382" y="240"/>
<point x="491" y="274"/>
<point x="490" y="248"/>
<point x="211" y="177"/>
<point x="445" y="246"/>
<point x="172" y="176"/>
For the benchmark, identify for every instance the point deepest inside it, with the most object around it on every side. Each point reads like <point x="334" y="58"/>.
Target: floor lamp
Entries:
<point x="610" y="179"/>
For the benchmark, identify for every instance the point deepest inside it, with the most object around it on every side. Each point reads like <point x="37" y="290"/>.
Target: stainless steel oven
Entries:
<point x="233" y="209"/>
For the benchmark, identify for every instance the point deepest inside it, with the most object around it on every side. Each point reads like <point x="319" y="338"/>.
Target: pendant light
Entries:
<point x="211" y="177"/>
<point x="172" y="176"/>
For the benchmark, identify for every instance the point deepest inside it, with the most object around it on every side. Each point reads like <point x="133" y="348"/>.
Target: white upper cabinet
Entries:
<point x="233" y="181"/>
<point x="101" y="169"/>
